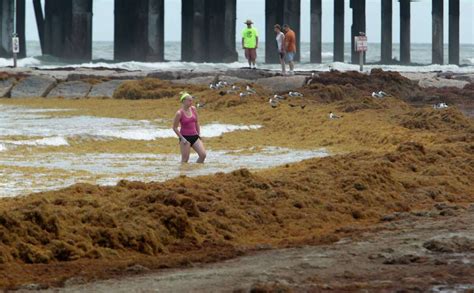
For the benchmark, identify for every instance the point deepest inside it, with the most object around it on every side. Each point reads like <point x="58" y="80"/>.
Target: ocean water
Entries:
<point x="30" y="160"/>
<point x="103" y="56"/>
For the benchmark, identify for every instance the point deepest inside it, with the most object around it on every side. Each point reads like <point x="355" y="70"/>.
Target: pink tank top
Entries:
<point x="188" y="124"/>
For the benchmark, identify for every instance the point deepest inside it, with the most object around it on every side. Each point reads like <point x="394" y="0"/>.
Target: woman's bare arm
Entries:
<point x="198" y="127"/>
<point x="176" y="119"/>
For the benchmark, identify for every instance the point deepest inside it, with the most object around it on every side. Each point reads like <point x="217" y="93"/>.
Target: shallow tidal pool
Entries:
<point x="25" y="166"/>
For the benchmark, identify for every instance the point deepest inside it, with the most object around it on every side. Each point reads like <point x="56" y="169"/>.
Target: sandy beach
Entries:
<point x="92" y="188"/>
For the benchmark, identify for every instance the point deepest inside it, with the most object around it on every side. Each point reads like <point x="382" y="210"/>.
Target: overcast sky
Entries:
<point x="103" y="21"/>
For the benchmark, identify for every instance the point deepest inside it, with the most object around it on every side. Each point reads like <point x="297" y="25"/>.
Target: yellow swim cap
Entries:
<point x="184" y="95"/>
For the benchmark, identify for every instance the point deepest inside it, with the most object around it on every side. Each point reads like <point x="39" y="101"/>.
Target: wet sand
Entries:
<point x="391" y="155"/>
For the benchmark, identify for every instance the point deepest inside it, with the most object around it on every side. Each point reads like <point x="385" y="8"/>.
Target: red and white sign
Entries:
<point x="360" y="43"/>
<point x="16" y="45"/>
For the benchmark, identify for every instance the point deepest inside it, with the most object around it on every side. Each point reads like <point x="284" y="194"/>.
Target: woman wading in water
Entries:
<point x="189" y="132"/>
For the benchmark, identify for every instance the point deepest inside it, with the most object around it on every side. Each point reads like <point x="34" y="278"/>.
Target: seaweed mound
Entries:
<point x="335" y="85"/>
<point x="148" y="88"/>
<point x="303" y="202"/>
<point x="443" y="119"/>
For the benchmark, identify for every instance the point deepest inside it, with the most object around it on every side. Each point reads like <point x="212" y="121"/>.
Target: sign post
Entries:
<point x="360" y="42"/>
<point x="15" y="48"/>
<point x="15" y="39"/>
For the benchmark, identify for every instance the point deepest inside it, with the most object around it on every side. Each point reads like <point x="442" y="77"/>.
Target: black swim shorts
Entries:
<point x="191" y="138"/>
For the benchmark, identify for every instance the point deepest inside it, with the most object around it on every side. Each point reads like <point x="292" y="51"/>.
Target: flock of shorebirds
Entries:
<point x="275" y="100"/>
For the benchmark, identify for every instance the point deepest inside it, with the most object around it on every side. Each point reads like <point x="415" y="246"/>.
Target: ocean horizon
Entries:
<point x="103" y="54"/>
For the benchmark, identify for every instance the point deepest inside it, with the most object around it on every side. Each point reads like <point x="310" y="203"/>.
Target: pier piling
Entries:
<point x="316" y="32"/>
<point x="454" y="32"/>
<point x="386" y="46"/>
<point x="338" y="31"/>
<point x="437" y="43"/>
<point x="281" y="12"/>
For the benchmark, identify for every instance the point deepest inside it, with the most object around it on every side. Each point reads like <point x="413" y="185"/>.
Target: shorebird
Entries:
<point x="333" y="116"/>
<point x="222" y="83"/>
<point x="440" y="106"/>
<point x="273" y="102"/>
<point x="383" y="94"/>
<point x="279" y="97"/>
<point x="377" y="95"/>
<point x="295" y="94"/>
<point x="243" y="95"/>
<point x="212" y="86"/>
<point x="250" y="90"/>
<point x="235" y="88"/>
<point x="200" y="105"/>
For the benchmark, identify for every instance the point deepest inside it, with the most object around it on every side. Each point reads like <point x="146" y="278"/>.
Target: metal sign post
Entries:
<point x="361" y="47"/>
<point x="15" y="39"/>
<point x="15" y="48"/>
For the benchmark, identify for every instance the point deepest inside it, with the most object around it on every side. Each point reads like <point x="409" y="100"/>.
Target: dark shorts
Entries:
<point x="282" y="55"/>
<point x="191" y="138"/>
<point x="251" y="54"/>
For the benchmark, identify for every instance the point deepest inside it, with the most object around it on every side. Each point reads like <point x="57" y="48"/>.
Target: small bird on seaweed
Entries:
<point x="295" y="94"/>
<point x="278" y="97"/>
<point x="200" y="105"/>
<point x="273" y="102"/>
<point x="243" y="95"/>
<point x="376" y="95"/>
<point x="222" y="83"/>
<point x="333" y="116"/>
<point x="440" y="106"/>
<point x="250" y="90"/>
<point x="383" y="94"/>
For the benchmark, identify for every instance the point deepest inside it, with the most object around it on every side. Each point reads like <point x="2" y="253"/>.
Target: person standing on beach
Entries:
<point x="290" y="46"/>
<point x="250" y="43"/>
<point x="280" y="40"/>
<point x="189" y="132"/>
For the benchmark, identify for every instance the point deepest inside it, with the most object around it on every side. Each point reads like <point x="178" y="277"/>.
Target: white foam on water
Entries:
<point x="452" y="288"/>
<point x="56" y="170"/>
<point x="47" y="141"/>
<point x="178" y="65"/>
<point x="17" y="121"/>
<point x="25" y="62"/>
<point x="216" y="129"/>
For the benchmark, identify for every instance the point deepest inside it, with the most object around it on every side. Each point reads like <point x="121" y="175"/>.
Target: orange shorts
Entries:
<point x="251" y="54"/>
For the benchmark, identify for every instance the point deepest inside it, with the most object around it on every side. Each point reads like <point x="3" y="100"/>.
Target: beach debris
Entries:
<point x="440" y="106"/>
<point x="250" y="90"/>
<point x="333" y="116"/>
<point x="295" y="94"/>
<point x="383" y="93"/>
<point x="273" y="102"/>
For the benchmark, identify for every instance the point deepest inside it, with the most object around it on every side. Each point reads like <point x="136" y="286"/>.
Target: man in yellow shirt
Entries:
<point x="250" y="43"/>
